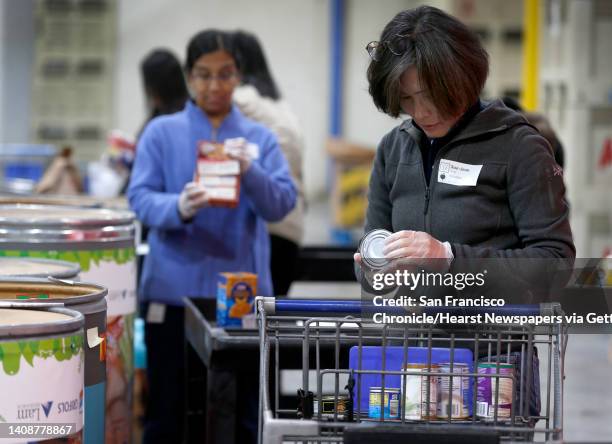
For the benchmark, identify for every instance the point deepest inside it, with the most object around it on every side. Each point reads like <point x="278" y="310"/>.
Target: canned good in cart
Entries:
<point x="390" y="403"/>
<point x="487" y="386"/>
<point x="371" y="248"/>
<point x="415" y="395"/>
<point x="457" y="396"/>
<point x="328" y="404"/>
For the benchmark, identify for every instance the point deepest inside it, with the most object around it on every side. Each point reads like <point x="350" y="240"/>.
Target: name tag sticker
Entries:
<point x="156" y="313"/>
<point x="457" y="173"/>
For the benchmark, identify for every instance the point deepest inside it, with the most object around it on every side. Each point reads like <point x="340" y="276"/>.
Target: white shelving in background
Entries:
<point x="72" y="82"/>
<point x="576" y="95"/>
<point x="500" y="26"/>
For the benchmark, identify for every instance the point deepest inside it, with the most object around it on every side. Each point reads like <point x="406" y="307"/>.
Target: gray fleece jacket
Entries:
<point x="517" y="208"/>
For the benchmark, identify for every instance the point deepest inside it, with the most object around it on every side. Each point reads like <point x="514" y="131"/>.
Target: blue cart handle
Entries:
<point x="273" y="306"/>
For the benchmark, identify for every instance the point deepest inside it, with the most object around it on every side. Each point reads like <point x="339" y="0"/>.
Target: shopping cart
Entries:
<point x="354" y="359"/>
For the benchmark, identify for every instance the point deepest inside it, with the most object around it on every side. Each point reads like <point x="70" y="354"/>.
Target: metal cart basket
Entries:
<point x="420" y="382"/>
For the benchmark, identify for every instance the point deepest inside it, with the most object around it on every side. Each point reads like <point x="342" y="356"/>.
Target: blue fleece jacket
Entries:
<point x="186" y="258"/>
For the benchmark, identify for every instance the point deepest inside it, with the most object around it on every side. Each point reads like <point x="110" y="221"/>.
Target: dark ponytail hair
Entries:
<point x="254" y="67"/>
<point x="163" y="79"/>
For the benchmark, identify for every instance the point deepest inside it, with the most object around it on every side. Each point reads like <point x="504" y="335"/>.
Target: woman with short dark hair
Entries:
<point x="461" y="181"/>
<point x="509" y="199"/>
<point x="448" y="57"/>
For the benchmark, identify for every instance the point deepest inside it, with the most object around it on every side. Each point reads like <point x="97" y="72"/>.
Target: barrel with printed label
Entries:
<point x="23" y="266"/>
<point x="87" y="299"/>
<point x="41" y="374"/>
<point x="102" y="242"/>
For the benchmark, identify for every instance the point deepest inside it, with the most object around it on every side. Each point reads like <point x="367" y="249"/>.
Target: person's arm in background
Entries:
<point x="147" y="194"/>
<point x="278" y="118"/>
<point x="268" y="183"/>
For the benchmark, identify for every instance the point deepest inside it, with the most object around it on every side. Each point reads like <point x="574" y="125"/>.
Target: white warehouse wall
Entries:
<point x="365" y="20"/>
<point x="16" y="64"/>
<point x="2" y="64"/>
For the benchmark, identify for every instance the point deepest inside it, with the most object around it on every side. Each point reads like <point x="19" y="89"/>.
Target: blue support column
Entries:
<point x="338" y="235"/>
<point x="337" y="67"/>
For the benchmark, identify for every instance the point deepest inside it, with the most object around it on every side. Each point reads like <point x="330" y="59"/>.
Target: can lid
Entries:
<point x="15" y="317"/>
<point x="494" y="365"/>
<point x="459" y="366"/>
<point x="42" y="290"/>
<point x="333" y="398"/>
<point x="62" y="216"/>
<point x="78" y="200"/>
<point x="37" y="321"/>
<point x="387" y="389"/>
<point x="420" y="365"/>
<point x="34" y="267"/>
<point x="371" y="247"/>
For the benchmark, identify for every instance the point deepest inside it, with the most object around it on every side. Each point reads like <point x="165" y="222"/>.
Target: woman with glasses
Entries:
<point x="461" y="177"/>
<point x="190" y="241"/>
<point x="462" y="182"/>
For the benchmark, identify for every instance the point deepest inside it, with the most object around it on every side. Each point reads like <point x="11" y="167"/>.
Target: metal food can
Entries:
<point x="415" y="394"/>
<point x="487" y="386"/>
<point x="371" y="249"/>
<point x="457" y="399"/>
<point x="329" y="409"/>
<point x="390" y="404"/>
<point x="373" y="259"/>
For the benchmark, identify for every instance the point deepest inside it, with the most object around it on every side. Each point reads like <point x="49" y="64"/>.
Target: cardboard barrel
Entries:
<point x="87" y="299"/>
<point x="41" y="374"/>
<point x="102" y="242"/>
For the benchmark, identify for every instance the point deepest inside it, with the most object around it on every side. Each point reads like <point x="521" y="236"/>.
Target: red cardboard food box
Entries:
<point x="219" y="174"/>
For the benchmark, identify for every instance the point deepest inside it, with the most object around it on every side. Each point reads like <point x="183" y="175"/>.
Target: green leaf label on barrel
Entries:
<point x="85" y="258"/>
<point x="61" y="349"/>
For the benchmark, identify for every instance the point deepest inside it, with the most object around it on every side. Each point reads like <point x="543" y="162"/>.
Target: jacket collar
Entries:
<point x="494" y="117"/>
<point x="233" y="122"/>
